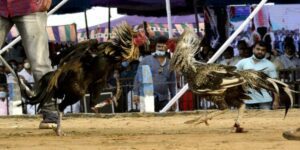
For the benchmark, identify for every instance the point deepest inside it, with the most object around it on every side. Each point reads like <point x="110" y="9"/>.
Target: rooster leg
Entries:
<point x="237" y="125"/>
<point x="210" y="116"/>
<point x="118" y="92"/>
<point x="112" y="100"/>
<point x="58" y="129"/>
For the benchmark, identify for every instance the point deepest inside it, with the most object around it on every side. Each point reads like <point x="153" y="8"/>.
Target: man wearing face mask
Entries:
<point x="289" y="59"/>
<point x="163" y="78"/>
<point x="258" y="62"/>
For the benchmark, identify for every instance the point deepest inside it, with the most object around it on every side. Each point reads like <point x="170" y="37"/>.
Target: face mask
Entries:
<point x="13" y="66"/>
<point x="26" y="65"/>
<point x="2" y="94"/>
<point x="159" y="53"/>
<point x="125" y="64"/>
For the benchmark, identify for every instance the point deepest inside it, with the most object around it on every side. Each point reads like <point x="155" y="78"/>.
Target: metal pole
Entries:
<point x="86" y="25"/>
<point x="109" y="16"/>
<point x="168" y="8"/>
<point x="218" y="53"/>
<point x="196" y="17"/>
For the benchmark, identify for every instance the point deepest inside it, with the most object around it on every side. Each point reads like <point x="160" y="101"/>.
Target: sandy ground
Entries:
<point x="152" y="131"/>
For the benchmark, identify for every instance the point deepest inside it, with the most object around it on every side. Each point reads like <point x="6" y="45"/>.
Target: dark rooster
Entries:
<point x="87" y="68"/>
<point x="223" y="85"/>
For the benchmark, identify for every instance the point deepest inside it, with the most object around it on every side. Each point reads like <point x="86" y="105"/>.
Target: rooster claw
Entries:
<point x="95" y="109"/>
<point x="238" y="129"/>
<point x="60" y="133"/>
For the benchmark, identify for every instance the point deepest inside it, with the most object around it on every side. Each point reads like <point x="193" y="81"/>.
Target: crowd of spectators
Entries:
<point x="282" y="49"/>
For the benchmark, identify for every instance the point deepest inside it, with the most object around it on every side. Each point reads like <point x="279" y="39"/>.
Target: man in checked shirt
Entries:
<point x="30" y="18"/>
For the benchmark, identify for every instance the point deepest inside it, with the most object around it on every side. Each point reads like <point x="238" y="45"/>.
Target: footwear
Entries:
<point x="292" y="135"/>
<point x="47" y="125"/>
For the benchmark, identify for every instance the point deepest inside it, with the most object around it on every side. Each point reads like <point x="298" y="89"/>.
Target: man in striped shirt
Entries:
<point x="30" y="18"/>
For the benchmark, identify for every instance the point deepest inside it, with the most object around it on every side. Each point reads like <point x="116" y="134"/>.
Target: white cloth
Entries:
<point x="3" y="107"/>
<point x="27" y="76"/>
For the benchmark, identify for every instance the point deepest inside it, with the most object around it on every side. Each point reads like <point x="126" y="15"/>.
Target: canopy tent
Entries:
<point x="154" y="7"/>
<point x="136" y="20"/>
<point x="157" y="26"/>
<point x="56" y="34"/>
<point x="154" y="29"/>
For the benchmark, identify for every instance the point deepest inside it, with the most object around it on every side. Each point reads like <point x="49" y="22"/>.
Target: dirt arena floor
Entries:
<point x="153" y="131"/>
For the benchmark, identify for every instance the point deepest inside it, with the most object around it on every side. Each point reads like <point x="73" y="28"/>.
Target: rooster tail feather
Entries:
<point x="42" y="95"/>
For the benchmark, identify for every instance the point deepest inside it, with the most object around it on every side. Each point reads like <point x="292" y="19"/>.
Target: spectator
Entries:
<point x="243" y="49"/>
<point x="289" y="59"/>
<point x="229" y="58"/>
<point x="3" y="79"/>
<point x="163" y="78"/>
<point x="260" y="63"/>
<point x="3" y="101"/>
<point x="27" y="76"/>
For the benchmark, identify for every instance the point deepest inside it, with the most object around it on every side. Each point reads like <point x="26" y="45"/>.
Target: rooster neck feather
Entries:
<point x="183" y="58"/>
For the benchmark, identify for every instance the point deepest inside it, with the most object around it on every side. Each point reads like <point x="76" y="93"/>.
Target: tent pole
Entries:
<point x="86" y="25"/>
<point x="16" y="40"/>
<point x="168" y="8"/>
<point x="218" y="53"/>
<point x="196" y="17"/>
<point x="109" y="17"/>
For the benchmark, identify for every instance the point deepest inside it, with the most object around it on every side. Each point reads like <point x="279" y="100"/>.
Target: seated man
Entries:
<point x="163" y="78"/>
<point x="289" y="58"/>
<point x="229" y="58"/>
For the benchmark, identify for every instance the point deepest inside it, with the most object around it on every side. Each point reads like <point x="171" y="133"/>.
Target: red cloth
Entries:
<point x="13" y="8"/>
<point x="186" y="102"/>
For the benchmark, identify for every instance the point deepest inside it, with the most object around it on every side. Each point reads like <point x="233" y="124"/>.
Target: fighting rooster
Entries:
<point x="223" y="85"/>
<point x="87" y="69"/>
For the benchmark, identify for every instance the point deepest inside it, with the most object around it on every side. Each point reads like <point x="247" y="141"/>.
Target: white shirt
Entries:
<point x="266" y="67"/>
<point x="26" y="75"/>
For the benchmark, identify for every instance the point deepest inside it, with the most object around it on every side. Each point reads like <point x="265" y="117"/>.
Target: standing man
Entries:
<point x="163" y="78"/>
<point x="30" y="18"/>
<point x="258" y="62"/>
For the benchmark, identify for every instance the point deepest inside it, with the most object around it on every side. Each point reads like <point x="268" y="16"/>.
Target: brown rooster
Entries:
<point x="87" y="68"/>
<point x="223" y="85"/>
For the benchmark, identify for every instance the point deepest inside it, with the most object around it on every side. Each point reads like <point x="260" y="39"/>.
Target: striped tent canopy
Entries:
<point x="155" y="29"/>
<point x="56" y="34"/>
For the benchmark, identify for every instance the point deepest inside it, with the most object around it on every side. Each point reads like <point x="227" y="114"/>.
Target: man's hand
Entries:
<point x="136" y="99"/>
